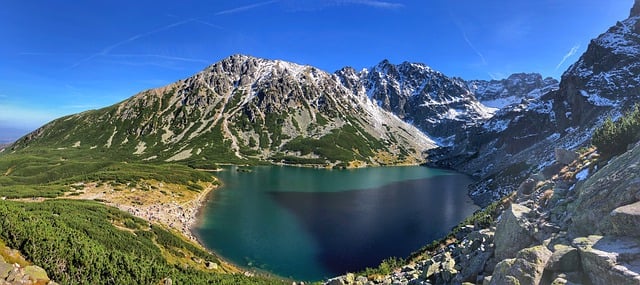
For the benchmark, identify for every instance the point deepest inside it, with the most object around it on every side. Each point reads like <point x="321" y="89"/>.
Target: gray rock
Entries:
<point x="626" y="220"/>
<point x="526" y="269"/>
<point x="36" y="273"/>
<point x="609" y="188"/>
<point x="564" y="259"/>
<point x="565" y="156"/>
<point x="609" y="260"/>
<point x="526" y="187"/>
<point x="211" y="265"/>
<point x="512" y="233"/>
<point x="336" y="281"/>
<point x="5" y="268"/>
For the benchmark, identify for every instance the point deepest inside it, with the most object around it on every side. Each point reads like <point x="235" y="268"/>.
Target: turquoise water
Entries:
<point x="309" y="224"/>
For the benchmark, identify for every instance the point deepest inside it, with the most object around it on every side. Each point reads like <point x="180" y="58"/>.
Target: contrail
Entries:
<point x="108" y="49"/>
<point x="245" y="8"/>
<point x="573" y="51"/>
<point x="466" y="39"/>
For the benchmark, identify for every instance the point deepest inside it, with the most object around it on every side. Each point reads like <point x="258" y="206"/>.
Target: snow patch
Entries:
<point x="598" y="100"/>
<point x="583" y="174"/>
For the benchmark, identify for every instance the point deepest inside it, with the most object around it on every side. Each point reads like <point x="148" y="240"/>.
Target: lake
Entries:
<point x="310" y="224"/>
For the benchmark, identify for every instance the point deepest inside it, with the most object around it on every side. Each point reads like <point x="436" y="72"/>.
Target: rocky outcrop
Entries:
<point x="614" y="186"/>
<point x="11" y="274"/>
<point x="526" y="269"/>
<point x="513" y="232"/>
<point x="610" y="260"/>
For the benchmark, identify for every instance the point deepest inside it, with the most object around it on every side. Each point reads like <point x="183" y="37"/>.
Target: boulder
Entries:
<point x="211" y="265"/>
<point x="564" y="259"/>
<point x="5" y="268"/>
<point x="610" y="260"/>
<point x="526" y="269"/>
<point x="512" y="232"/>
<point x="526" y="187"/>
<point x="565" y="156"/>
<point x="36" y="273"/>
<point x="626" y="220"/>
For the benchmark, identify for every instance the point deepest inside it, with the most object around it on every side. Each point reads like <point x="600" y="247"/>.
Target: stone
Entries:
<point x="167" y="281"/>
<point x="626" y="220"/>
<point x="336" y="281"/>
<point x="5" y="268"/>
<point x="610" y="260"/>
<point x="512" y="233"/>
<point x="526" y="269"/>
<point x="350" y="278"/>
<point x="565" y="156"/>
<point x="211" y="265"/>
<point x="564" y="259"/>
<point x="361" y="280"/>
<point x="36" y="273"/>
<point x="526" y="187"/>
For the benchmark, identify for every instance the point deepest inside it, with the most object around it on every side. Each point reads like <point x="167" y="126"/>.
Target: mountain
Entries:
<point x="239" y="110"/>
<point x="518" y="86"/>
<point x="521" y="140"/>
<point x="435" y="103"/>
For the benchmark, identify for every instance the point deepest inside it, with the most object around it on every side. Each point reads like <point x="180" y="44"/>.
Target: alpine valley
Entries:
<point x="110" y="196"/>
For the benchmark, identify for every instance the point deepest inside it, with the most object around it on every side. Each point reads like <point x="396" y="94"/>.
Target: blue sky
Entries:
<point x="64" y="57"/>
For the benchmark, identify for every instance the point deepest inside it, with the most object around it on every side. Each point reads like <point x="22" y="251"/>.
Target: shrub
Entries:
<point x="613" y="137"/>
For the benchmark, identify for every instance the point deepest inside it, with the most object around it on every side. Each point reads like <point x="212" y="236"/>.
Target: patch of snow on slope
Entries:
<point x="583" y="174"/>
<point x="597" y="100"/>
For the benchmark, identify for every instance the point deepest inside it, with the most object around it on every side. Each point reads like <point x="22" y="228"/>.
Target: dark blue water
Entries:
<point x="310" y="224"/>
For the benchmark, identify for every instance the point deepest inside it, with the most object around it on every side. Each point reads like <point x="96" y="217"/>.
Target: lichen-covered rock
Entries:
<point x="609" y="260"/>
<point x="526" y="269"/>
<point x="512" y="233"/>
<point x="565" y="156"/>
<point x="564" y="259"/>
<point x="626" y="220"/>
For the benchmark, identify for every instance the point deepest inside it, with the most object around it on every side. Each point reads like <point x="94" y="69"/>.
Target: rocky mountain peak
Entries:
<point x="635" y="10"/>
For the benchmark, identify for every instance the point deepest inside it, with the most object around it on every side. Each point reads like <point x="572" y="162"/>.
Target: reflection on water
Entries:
<point x="310" y="224"/>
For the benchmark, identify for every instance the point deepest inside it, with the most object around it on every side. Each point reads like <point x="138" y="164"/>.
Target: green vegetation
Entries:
<point x="613" y="138"/>
<point x="42" y="173"/>
<point x="83" y="242"/>
<point x="386" y="267"/>
<point x="344" y="144"/>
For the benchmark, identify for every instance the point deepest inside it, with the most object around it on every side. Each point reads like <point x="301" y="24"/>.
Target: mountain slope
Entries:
<point x="436" y="104"/>
<point x="520" y="140"/>
<point x="243" y="109"/>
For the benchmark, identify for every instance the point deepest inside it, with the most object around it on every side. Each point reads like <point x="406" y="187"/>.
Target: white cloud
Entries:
<point x="571" y="52"/>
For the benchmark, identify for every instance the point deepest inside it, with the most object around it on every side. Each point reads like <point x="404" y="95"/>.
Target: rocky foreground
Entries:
<point x="576" y="222"/>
